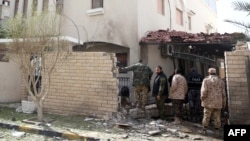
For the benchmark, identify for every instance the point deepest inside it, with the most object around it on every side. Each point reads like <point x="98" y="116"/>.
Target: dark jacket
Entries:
<point x="194" y="80"/>
<point x="160" y="86"/>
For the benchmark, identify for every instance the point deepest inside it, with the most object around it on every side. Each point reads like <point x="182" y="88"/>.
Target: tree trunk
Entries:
<point x="39" y="106"/>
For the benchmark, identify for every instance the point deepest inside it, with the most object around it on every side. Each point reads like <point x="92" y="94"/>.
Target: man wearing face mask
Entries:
<point x="160" y="91"/>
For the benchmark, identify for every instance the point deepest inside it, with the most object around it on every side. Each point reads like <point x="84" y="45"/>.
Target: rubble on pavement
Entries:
<point x="117" y="126"/>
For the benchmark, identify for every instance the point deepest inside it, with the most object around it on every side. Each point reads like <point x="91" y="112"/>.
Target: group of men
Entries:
<point x="210" y="95"/>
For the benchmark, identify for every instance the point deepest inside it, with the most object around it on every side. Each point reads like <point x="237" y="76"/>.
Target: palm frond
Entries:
<point x="241" y="6"/>
<point x="240" y="24"/>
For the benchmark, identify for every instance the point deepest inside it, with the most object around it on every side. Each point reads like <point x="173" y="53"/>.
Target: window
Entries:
<point x="25" y="8"/>
<point x="6" y="2"/>
<point x="179" y="16"/>
<point x="189" y="23"/>
<point x="122" y="59"/>
<point x="97" y="4"/>
<point x="59" y="6"/>
<point x="96" y="8"/>
<point x="161" y="7"/>
<point x="45" y="5"/>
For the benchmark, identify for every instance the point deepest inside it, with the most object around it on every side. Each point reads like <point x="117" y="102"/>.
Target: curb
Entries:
<point x="66" y="135"/>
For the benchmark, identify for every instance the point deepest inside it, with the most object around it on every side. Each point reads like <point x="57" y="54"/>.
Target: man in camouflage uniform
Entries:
<point x="178" y="91"/>
<point x="141" y="81"/>
<point x="213" y="99"/>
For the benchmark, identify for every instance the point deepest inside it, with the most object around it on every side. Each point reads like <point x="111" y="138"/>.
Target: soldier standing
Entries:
<point x="178" y="91"/>
<point x="141" y="81"/>
<point x="213" y="99"/>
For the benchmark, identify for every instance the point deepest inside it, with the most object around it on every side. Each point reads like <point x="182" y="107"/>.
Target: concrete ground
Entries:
<point x="111" y="129"/>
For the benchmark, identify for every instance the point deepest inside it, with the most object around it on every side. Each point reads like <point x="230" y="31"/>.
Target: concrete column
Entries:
<point x="20" y="7"/>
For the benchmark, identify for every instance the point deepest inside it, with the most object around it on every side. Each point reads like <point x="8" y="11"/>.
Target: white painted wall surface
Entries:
<point x="10" y="82"/>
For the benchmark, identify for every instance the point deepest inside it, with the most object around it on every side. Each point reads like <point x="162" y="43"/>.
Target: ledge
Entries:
<point x="96" y="11"/>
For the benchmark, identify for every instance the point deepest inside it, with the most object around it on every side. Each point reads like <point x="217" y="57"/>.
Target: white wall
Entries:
<point x="117" y="25"/>
<point x="10" y="78"/>
<point x="203" y="16"/>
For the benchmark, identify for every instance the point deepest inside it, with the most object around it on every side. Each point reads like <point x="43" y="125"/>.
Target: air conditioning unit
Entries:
<point x="167" y="50"/>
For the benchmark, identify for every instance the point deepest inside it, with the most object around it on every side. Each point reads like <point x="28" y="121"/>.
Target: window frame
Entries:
<point x="122" y="59"/>
<point x="96" y="4"/>
<point x="189" y="22"/>
<point x="161" y="7"/>
<point x="6" y="2"/>
<point x="59" y="6"/>
<point x="179" y="16"/>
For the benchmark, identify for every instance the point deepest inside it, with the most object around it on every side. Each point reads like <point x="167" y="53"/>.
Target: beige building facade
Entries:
<point x="122" y="23"/>
<point x="117" y="26"/>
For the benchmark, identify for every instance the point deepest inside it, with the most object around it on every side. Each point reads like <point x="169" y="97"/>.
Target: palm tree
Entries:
<point x="245" y="7"/>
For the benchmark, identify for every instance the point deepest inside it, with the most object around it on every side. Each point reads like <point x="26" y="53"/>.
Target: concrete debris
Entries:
<point x="152" y="123"/>
<point x="155" y="132"/>
<point x="166" y="135"/>
<point x="88" y="119"/>
<point x="117" y="126"/>
<point x="125" y="136"/>
<point x="105" y="124"/>
<point x="210" y="132"/>
<point x="19" y="109"/>
<point x="18" y="134"/>
<point x="57" y="139"/>
<point x="197" y="125"/>
<point x="145" y="136"/>
<point x="108" y="131"/>
<point x="197" y="138"/>
<point x="174" y="131"/>
<point x="123" y="125"/>
<point x="183" y="136"/>
<point x="185" y="130"/>
<point x="1" y="135"/>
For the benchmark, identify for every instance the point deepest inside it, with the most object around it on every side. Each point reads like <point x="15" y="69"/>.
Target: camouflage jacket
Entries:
<point x="213" y="93"/>
<point x="141" y="74"/>
<point x="179" y="87"/>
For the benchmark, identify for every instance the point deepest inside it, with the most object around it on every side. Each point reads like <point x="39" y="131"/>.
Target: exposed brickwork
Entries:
<point x="24" y="93"/>
<point x="84" y="84"/>
<point x="238" y="83"/>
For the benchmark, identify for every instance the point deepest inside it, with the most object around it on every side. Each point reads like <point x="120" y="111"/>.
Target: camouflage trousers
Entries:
<point x="141" y="96"/>
<point x="161" y="106"/>
<point x="177" y="107"/>
<point x="215" y="114"/>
